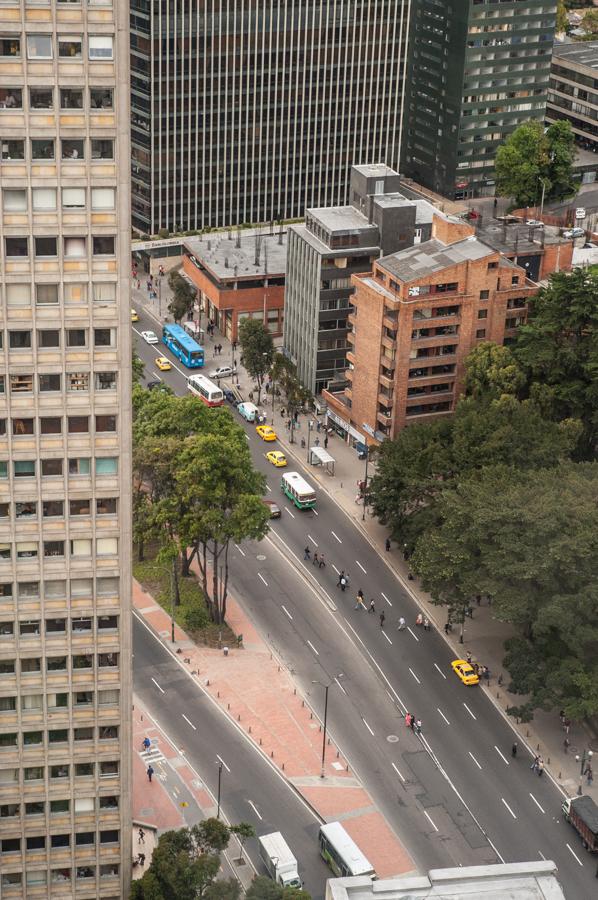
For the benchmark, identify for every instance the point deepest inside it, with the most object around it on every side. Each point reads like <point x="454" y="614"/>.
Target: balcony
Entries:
<point x="351" y="357"/>
<point x="391" y="322"/>
<point x="389" y="343"/>
<point x="384" y="419"/>
<point x="386" y="382"/>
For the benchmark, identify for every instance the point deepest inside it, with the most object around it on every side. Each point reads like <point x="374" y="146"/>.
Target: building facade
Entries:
<point x="416" y="318"/>
<point x="65" y="530"/>
<point x="235" y="106"/>
<point x="477" y="70"/>
<point x="573" y="92"/>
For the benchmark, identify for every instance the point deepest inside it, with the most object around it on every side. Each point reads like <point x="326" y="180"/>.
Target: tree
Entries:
<point x="532" y="159"/>
<point x="230" y="889"/>
<point x="589" y="23"/>
<point x="492" y="370"/>
<point x="284" y="373"/>
<point x="243" y="831"/>
<point x="138" y="367"/>
<point x="558" y="351"/>
<point x="562" y="22"/>
<point x="262" y="888"/>
<point x="183" y="296"/>
<point x="258" y="350"/>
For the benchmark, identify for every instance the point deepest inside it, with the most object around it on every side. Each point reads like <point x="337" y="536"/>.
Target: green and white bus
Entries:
<point x="342" y="853"/>
<point x="298" y="490"/>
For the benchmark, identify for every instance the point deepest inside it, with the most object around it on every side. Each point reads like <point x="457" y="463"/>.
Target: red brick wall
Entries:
<point x="449" y="231"/>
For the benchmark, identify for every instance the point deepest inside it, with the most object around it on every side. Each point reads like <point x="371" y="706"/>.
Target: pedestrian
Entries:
<point x="487" y="674"/>
<point x="387" y="545"/>
<point x="234" y="346"/>
<point x="306" y="553"/>
<point x="410" y="575"/>
<point x="514" y="749"/>
<point x="382" y="618"/>
<point x="322" y="561"/>
<point x="372" y="608"/>
<point x="343" y="583"/>
<point x="540" y="769"/>
<point x="418" y="726"/>
<point x="426" y="624"/>
<point x="341" y="575"/>
<point x="359" y="603"/>
<point x="347" y="579"/>
<point x="219" y="349"/>
<point x="315" y="561"/>
<point x="407" y="719"/>
<point x="146" y="743"/>
<point x="318" y="426"/>
<point x="412" y="722"/>
<point x="141" y="836"/>
<point x="150" y="772"/>
<point x="476" y="669"/>
<point x="589" y="774"/>
<point x="469" y="657"/>
<point x="317" y="442"/>
<point x="141" y="858"/>
<point x="562" y="717"/>
<point x="478" y="598"/>
<point x="138" y="284"/>
<point x="534" y="765"/>
<point x="566" y="743"/>
<point x="326" y="442"/>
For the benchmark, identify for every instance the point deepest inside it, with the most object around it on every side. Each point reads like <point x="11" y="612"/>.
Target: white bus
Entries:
<point x="205" y="389"/>
<point x="342" y="853"/>
<point x="298" y="490"/>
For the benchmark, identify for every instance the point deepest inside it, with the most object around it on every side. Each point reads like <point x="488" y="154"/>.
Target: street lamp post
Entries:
<point x="365" y="489"/>
<point x="543" y="183"/>
<point x="219" y="764"/>
<point x="309" y="427"/>
<point x="325" y="723"/>
<point x="586" y="757"/>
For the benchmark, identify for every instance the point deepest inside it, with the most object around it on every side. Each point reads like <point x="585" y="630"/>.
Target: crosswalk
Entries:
<point x="153" y="755"/>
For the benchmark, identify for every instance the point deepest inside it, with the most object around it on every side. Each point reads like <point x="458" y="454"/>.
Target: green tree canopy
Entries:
<point x="492" y="370"/>
<point x="262" y="888"/>
<point x="258" y="350"/>
<point x="183" y="296"/>
<point x="531" y="158"/>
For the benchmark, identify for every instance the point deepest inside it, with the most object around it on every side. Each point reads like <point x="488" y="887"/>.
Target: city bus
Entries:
<point x="342" y="853"/>
<point x="208" y="392"/>
<point x="182" y="345"/>
<point x="298" y="490"/>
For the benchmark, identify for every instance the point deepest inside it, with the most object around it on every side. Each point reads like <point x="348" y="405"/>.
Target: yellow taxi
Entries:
<point x="276" y="458"/>
<point x="266" y="432"/>
<point x="465" y="671"/>
<point x="163" y="364"/>
<point x="134" y="315"/>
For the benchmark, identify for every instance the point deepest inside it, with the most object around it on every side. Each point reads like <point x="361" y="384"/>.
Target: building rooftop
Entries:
<point x="514" y="238"/>
<point x="376" y="170"/>
<point x="584" y="53"/>
<point x="432" y="256"/>
<point x="424" y="210"/>
<point x="325" y="250"/>
<point x="340" y="218"/>
<point x="240" y="253"/>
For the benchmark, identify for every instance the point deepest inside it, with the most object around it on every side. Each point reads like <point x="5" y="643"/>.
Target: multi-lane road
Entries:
<point x="455" y="795"/>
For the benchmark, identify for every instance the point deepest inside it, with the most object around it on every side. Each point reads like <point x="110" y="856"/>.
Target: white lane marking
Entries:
<point x="508" y="807"/>
<point x="367" y="726"/>
<point x="504" y="759"/>
<point x="413" y="634"/>
<point x="155" y="375"/>
<point x="189" y="722"/>
<point x="542" y="855"/>
<point x="438" y="669"/>
<point x="315" y="512"/>
<point x="338" y="571"/>
<point x="157" y="685"/>
<point x="259" y="575"/>
<point x="474" y="759"/>
<point x="443" y="715"/>
<point x="398" y="773"/>
<point x="383" y="595"/>
<point x="312" y="540"/>
<point x="219" y="758"/>
<point x="268" y="488"/>
<point x="313" y="648"/>
<point x="537" y="804"/>
<point x="242" y="552"/>
<point x="414" y="675"/>
<point x="574" y="854"/>
<point x="430" y="821"/>
<point x="387" y="637"/>
<point x="340" y="685"/>
<point x="289" y="512"/>
<point x="336" y="536"/>
<point x="254" y="808"/>
<point x="469" y="711"/>
<point x="361" y="567"/>
<point x="246" y="437"/>
<point x="284" y="609"/>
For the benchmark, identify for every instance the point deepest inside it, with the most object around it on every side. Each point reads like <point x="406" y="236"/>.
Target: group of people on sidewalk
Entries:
<point x="480" y="670"/>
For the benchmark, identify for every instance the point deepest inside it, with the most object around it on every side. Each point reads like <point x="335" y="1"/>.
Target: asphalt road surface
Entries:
<point x="455" y="796"/>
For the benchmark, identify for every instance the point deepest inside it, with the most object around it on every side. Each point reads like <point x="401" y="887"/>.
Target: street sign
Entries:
<point x="368" y="429"/>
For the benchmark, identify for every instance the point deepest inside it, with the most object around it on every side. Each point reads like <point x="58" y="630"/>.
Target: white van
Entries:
<point x="249" y="411"/>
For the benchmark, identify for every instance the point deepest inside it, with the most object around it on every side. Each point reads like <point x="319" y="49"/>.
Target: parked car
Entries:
<point x="573" y="233"/>
<point x="222" y="372"/>
<point x="580" y="213"/>
<point x="230" y="397"/>
<point x="274" y="508"/>
<point x="536" y="223"/>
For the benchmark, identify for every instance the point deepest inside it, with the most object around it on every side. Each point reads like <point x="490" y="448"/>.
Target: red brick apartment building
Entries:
<point x="417" y="316"/>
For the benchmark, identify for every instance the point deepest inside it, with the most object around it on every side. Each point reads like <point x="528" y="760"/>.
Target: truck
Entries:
<point x="582" y="813"/>
<point x="278" y="860"/>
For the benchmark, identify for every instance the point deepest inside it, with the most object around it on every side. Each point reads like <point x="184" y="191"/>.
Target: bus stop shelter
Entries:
<point x="317" y="456"/>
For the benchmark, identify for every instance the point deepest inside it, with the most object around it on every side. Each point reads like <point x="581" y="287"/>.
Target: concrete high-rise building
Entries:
<point x="65" y="372"/>
<point x="247" y="112"/>
<point x="477" y="69"/>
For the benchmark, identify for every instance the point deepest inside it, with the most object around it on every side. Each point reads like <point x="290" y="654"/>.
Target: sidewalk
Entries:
<point x="484" y="634"/>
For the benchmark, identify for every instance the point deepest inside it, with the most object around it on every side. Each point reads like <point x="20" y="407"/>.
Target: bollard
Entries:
<point x="225" y="651"/>
<point x="295" y="691"/>
<point x="208" y="683"/>
<point x="271" y="754"/>
<point x="347" y="767"/>
<point x="337" y="754"/>
<point x="239" y="717"/>
<point x="537" y="746"/>
<point x="283" y="767"/>
<point x="303" y="703"/>
<point x="227" y="705"/>
<point x="311" y="715"/>
<point x="560" y="776"/>
<point x="320" y="728"/>
<point x="250" y="729"/>
<point x="279" y="668"/>
<point x="260" y="742"/>
<point x="548" y="761"/>
<point x="217" y="693"/>
<point x="329" y="742"/>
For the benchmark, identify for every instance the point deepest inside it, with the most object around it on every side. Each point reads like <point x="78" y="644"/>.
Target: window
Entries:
<point x="108" y="661"/>
<point x="58" y="736"/>
<point x="7" y="667"/>
<point x="10" y="47"/>
<point x="480" y="333"/>
<point x="11" y="98"/>
<point x="48" y="339"/>
<point x="46" y="294"/>
<point x="75" y="293"/>
<point x="53" y="549"/>
<point x="492" y="265"/>
<point x="106" y="465"/>
<point x="42" y="148"/>
<point x="25" y="509"/>
<point x="482" y="314"/>
<point x="75" y="337"/>
<point x="44" y="199"/>
<point x="81" y="547"/>
<point x="103" y="246"/>
<point x="83" y="734"/>
<point x="9" y="810"/>
<point x="78" y="424"/>
<point x="108" y="623"/>
<point x="51" y="425"/>
<point x="61" y="770"/>
<point x="484" y="295"/>
<point x="48" y="383"/>
<point x="32" y="738"/>
<point x="21" y="384"/>
<point x="37" y="841"/>
<point x="104" y="337"/>
<point x="56" y="626"/>
<point x="4" y="510"/>
<point x="83" y="770"/>
<point x="19" y="340"/>
<point x="80" y="466"/>
<point x="30" y="665"/>
<point x="28" y="590"/>
<point x="83" y="698"/>
<point x="104" y="292"/>
<point x="105" y="381"/>
<point x="39" y="46"/>
<point x="106" y="546"/>
<point x="60" y="876"/>
<point x="109" y="768"/>
<point x="103" y="198"/>
<point x="5" y="553"/>
<point x="85" y="839"/>
<point x="8" y="704"/>
<point x="18" y="295"/>
<point x="58" y="701"/>
<point x="24" y="468"/>
<point x="32" y="702"/>
<point x="51" y="467"/>
<point x="109" y="837"/>
<point x="71" y="98"/>
<point x="11" y="879"/>
<point x="41" y="98"/>
<point x="59" y="806"/>
<point x="100" y="98"/>
<point x="5" y="590"/>
<point x="108" y="802"/>
<point x="73" y="149"/>
<point x="102" y="149"/>
<point x="106" y="423"/>
<point x="46" y="246"/>
<point x="77" y="381"/>
<point x="73" y="198"/>
<point x="27" y="550"/>
<point x="16" y="246"/>
<point x="107" y="586"/>
<point x="9" y="740"/>
<point x="75" y="247"/>
<point x="79" y="508"/>
<point x="69" y="47"/>
<point x="55" y="588"/>
<point x="83" y="661"/>
<point x="14" y="200"/>
<point x="82" y="587"/>
<point x="100" y="46"/>
<point x="56" y="663"/>
<point x="33" y="773"/>
<point x="12" y="150"/>
<point x="29" y="627"/>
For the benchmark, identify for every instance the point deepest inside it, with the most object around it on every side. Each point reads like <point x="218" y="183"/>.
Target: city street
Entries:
<point x="453" y="796"/>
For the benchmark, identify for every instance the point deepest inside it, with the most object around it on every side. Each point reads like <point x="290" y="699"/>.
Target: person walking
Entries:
<point x="534" y="765"/>
<point x="326" y="443"/>
<point x="315" y="561"/>
<point x="468" y="657"/>
<point x="372" y="608"/>
<point x="141" y="858"/>
<point x="359" y="603"/>
<point x="514" y="749"/>
<point x="343" y="583"/>
<point x="418" y="726"/>
<point x="382" y="618"/>
<point x="540" y="767"/>
<point x="141" y="836"/>
<point x="426" y="624"/>
<point x="589" y="774"/>
<point x="150" y="772"/>
<point x="146" y="743"/>
<point x="412" y="722"/>
<point x="341" y="575"/>
<point x="322" y="561"/>
<point x="387" y="544"/>
<point x="306" y="553"/>
<point x="408" y="719"/>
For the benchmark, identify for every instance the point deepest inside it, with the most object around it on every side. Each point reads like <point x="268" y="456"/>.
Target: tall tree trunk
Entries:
<point x="175" y="584"/>
<point x="140" y="550"/>
<point x="225" y="585"/>
<point x="215" y="584"/>
<point x="185" y="563"/>
<point x="202" y="561"/>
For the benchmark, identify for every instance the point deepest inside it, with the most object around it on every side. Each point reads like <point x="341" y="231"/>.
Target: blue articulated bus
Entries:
<point x="182" y="345"/>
